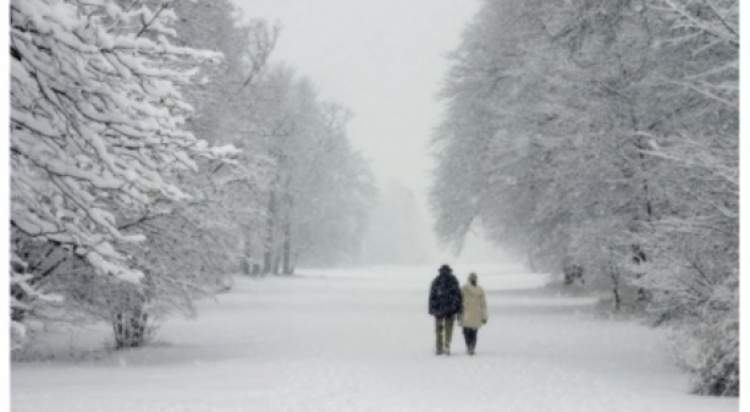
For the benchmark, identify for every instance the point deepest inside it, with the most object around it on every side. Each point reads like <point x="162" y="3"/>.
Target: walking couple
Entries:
<point x="449" y="302"/>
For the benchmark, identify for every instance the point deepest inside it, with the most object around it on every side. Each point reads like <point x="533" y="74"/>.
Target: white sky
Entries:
<point x="384" y="60"/>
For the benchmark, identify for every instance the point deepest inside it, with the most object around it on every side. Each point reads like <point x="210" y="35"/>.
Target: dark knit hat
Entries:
<point x="445" y="269"/>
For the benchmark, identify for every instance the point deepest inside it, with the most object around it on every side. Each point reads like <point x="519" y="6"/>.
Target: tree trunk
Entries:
<point x="270" y="227"/>
<point x="530" y="259"/>
<point x="277" y="264"/>
<point x="616" y="289"/>
<point x="648" y="207"/>
<point x="288" y="266"/>
<point x="247" y="261"/>
<point x="130" y="328"/>
<point x="639" y="257"/>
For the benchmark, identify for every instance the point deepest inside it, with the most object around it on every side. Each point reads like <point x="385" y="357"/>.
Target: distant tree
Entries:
<point x="229" y="108"/>
<point x="397" y="233"/>
<point x="320" y="188"/>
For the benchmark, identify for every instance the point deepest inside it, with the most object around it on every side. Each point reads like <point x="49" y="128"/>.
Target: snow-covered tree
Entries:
<point x="229" y="108"/>
<point x="97" y="125"/>
<point x="398" y="232"/>
<point x="604" y="134"/>
<point x="268" y="208"/>
<point x="334" y="191"/>
<point x="320" y="188"/>
<point x="695" y="268"/>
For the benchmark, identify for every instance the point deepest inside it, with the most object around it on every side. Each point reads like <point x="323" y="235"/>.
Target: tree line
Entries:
<point x="600" y="138"/>
<point x="155" y="150"/>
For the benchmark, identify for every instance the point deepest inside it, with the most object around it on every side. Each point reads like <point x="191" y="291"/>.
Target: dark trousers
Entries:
<point x="443" y="333"/>
<point x="470" y="336"/>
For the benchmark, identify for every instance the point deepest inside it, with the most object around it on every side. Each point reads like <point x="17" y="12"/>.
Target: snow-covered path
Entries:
<point x="361" y="341"/>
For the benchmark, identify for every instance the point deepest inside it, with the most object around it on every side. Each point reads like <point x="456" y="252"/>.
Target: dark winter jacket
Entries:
<point x="445" y="295"/>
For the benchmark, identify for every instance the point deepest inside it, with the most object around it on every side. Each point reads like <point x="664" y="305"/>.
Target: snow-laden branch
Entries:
<point x="97" y="121"/>
<point x="718" y="26"/>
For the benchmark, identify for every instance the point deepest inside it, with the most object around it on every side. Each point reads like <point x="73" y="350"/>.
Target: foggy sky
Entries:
<point x="383" y="59"/>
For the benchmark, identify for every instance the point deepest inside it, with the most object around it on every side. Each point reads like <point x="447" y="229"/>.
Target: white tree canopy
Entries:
<point x="96" y="121"/>
<point x="97" y="130"/>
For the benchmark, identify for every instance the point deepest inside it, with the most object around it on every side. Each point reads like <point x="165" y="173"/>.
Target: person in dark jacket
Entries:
<point x="445" y="304"/>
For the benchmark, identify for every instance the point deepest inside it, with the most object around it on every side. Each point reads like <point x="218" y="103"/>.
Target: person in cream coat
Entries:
<point x="474" y="311"/>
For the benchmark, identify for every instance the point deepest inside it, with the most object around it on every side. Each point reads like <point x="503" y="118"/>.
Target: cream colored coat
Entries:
<point x="474" y="313"/>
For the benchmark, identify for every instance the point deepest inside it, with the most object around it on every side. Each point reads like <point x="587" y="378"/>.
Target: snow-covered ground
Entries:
<point x="362" y="341"/>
